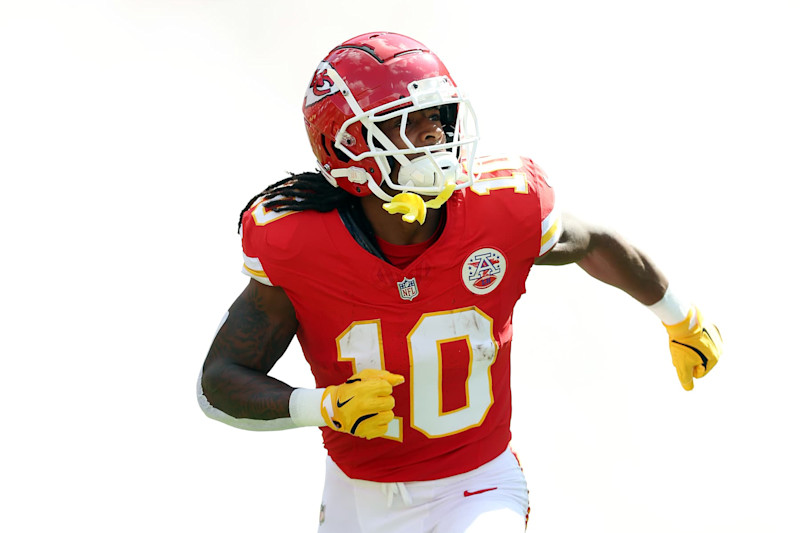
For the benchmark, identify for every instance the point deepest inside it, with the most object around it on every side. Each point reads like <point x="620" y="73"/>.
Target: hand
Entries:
<point x="362" y="405"/>
<point x="695" y="346"/>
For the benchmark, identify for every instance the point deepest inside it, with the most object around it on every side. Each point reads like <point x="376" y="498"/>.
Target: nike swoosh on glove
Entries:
<point x="695" y="346"/>
<point x="362" y="405"/>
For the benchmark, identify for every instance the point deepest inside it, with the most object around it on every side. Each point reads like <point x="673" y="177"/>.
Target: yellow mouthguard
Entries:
<point x="443" y="196"/>
<point x="414" y="208"/>
<point x="410" y="204"/>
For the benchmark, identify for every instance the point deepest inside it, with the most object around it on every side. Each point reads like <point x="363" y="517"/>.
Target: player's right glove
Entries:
<point x="362" y="405"/>
<point x="695" y="346"/>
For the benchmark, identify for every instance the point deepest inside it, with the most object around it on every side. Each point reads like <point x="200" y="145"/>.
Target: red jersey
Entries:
<point x="443" y="321"/>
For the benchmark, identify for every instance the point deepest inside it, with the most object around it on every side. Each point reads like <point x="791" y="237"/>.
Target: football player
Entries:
<point x="397" y="264"/>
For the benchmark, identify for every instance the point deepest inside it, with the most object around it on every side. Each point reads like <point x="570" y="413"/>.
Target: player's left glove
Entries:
<point x="695" y="346"/>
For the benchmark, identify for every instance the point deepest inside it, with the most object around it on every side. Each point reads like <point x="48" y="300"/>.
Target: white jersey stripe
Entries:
<point x="551" y="230"/>
<point x="252" y="267"/>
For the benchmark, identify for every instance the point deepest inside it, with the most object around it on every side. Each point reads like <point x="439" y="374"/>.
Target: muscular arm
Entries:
<point x="695" y="345"/>
<point x="259" y="327"/>
<point x="607" y="257"/>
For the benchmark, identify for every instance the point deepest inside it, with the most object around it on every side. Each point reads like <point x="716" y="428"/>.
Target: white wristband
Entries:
<point x="670" y="309"/>
<point x="304" y="407"/>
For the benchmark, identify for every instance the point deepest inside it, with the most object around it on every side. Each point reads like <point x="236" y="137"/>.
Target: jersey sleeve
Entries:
<point x="252" y="267"/>
<point x="265" y="242"/>
<point x="525" y="198"/>
<point x="548" y="208"/>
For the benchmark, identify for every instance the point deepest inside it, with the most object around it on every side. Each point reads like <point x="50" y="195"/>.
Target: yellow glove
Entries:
<point x="362" y="405"/>
<point x="695" y="347"/>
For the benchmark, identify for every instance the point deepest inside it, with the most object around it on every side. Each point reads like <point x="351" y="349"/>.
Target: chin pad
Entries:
<point x="422" y="172"/>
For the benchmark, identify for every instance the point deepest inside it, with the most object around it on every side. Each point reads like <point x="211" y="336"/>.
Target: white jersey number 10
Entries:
<point x="362" y="344"/>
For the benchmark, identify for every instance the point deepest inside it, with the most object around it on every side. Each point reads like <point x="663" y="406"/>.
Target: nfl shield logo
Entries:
<point x="408" y="288"/>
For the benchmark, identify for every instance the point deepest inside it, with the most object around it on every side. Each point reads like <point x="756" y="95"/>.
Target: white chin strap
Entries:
<point x="429" y="171"/>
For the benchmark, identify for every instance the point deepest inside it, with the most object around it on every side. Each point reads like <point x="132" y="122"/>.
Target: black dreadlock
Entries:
<point x="307" y="191"/>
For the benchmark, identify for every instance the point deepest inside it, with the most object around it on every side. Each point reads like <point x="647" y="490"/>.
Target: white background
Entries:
<point x="133" y="132"/>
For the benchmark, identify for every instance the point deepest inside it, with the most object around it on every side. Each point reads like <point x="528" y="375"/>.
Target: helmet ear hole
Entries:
<point x="392" y="161"/>
<point x="339" y="154"/>
<point x="324" y="144"/>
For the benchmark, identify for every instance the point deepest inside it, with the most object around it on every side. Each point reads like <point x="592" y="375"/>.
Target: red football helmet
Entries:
<point x="376" y="77"/>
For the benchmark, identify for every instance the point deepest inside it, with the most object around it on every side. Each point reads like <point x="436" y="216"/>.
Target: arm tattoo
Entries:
<point x="255" y="335"/>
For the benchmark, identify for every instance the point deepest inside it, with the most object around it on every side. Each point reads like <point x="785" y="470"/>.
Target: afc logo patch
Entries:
<point x="408" y="288"/>
<point x="483" y="270"/>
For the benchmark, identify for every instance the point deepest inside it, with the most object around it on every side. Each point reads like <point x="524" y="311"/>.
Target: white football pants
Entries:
<point x="490" y="499"/>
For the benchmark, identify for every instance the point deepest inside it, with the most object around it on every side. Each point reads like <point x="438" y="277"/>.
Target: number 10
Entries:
<point x="362" y="344"/>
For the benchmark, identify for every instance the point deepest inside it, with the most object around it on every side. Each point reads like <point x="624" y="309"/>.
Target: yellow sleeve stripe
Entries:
<point x="551" y="231"/>
<point x="257" y="275"/>
<point x="252" y="267"/>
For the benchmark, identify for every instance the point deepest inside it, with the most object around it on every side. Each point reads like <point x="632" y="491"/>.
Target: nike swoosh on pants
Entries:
<point x="468" y="493"/>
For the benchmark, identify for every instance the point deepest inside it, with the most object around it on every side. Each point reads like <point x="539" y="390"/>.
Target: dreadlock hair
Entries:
<point x="307" y="191"/>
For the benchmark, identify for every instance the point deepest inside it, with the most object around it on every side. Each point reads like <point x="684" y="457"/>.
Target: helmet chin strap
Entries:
<point x="414" y="208"/>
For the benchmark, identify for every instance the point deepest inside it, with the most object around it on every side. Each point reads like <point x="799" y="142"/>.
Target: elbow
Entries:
<point x="206" y="389"/>
<point x="202" y="399"/>
<point x="205" y="403"/>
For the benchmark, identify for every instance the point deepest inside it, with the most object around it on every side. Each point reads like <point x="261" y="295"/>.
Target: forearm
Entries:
<point x="257" y="403"/>
<point x="614" y="261"/>
<point x="242" y="423"/>
<point x="245" y="393"/>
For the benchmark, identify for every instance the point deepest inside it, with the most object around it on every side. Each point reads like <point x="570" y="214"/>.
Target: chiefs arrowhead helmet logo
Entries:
<point x="321" y="85"/>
